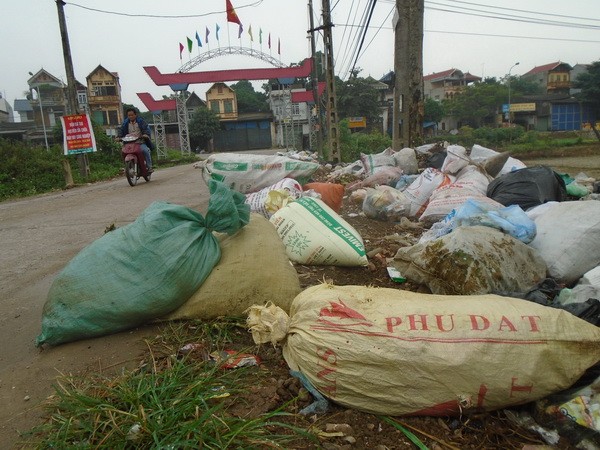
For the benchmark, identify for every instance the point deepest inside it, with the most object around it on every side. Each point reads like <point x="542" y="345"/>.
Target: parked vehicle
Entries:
<point x="133" y="157"/>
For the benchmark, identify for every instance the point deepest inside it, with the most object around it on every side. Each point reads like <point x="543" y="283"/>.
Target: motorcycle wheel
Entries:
<point x="131" y="172"/>
<point x="147" y="177"/>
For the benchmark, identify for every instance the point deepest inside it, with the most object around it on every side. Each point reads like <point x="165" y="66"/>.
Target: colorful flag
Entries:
<point x="181" y="47"/>
<point x="217" y="28"/>
<point x="278" y="46"/>
<point x="231" y="14"/>
<point x="269" y="41"/>
<point x="190" y="44"/>
<point x="240" y="31"/>
<point x="198" y="39"/>
<point x="207" y="33"/>
<point x="250" y="33"/>
<point x="260" y="36"/>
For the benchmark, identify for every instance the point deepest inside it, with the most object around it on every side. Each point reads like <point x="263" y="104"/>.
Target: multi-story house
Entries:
<point x="47" y="97"/>
<point x="446" y="84"/>
<point x="555" y="77"/>
<point x="104" y="99"/>
<point x="222" y="100"/>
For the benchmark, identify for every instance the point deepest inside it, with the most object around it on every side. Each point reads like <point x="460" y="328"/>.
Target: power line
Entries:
<point x="153" y="16"/>
<point x="363" y="35"/>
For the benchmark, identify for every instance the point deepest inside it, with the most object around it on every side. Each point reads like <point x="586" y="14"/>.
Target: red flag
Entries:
<point x="231" y="14"/>
<point x="278" y="46"/>
<point x="180" y="49"/>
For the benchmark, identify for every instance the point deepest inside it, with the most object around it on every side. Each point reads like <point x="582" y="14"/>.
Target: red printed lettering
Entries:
<point x="532" y="322"/>
<point x="421" y="319"/>
<point x="479" y="323"/>
<point x="481" y="395"/>
<point x="325" y="354"/>
<point x="516" y="388"/>
<point x="439" y="319"/>
<point x="392" y="322"/>
<point x="504" y="322"/>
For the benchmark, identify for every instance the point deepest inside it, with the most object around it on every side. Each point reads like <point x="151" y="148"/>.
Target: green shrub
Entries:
<point x="353" y="144"/>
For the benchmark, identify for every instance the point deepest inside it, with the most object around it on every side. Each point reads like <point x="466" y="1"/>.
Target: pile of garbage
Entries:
<point x="510" y="259"/>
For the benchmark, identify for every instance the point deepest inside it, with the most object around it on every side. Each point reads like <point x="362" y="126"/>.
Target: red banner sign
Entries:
<point x="78" y="134"/>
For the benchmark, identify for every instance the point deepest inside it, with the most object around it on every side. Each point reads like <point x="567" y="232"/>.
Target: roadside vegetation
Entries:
<point x="178" y="397"/>
<point x="27" y="170"/>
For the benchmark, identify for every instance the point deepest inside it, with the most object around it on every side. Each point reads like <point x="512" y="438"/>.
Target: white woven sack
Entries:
<point x="419" y="191"/>
<point x="395" y="352"/>
<point x="480" y="154"/>
<point x="313" y="233"/>
<point x="258" y="200"/>
<point x="568" y="239"/>
<point x="251" y="173"/>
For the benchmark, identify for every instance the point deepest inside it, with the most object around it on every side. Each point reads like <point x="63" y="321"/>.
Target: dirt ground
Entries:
<point x="39" y="235"/>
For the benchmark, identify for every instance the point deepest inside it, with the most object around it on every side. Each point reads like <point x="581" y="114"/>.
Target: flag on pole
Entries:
<point x="207" y="33"/>
<point x="181" y="47"/>
<point x="278" y="46"/>
<point x="217" y="28"/>
<point x="231" y="14"/>
<point x="250" y="33"/>
<point x="198" y="39"/>
<point x="269" y="41"/>
<point x="190" y="44"/>
<point x="260" y="36"/>
<point x="240" y="31"/>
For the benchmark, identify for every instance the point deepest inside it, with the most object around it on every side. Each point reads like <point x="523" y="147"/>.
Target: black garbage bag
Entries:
<point x="528" y="187"/>
<point x="546" y="293"/>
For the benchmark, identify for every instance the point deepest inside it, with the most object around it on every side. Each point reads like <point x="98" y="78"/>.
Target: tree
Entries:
<point x="478" y="104"/>
<point x="434" y="111"/>
<point x="589" y="83"/>
<point x="248" y="100"/>
<point x="202" y="126"/>
<point x="522" y="86"/>
<point x="358" y="97"/>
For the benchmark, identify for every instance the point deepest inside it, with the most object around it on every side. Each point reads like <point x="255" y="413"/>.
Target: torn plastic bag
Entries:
<point x="141" y="271"/>
<point x="471" y="260"/>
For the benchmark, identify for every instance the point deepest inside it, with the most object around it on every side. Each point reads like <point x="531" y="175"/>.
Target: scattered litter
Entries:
<point x="231" y="359"/>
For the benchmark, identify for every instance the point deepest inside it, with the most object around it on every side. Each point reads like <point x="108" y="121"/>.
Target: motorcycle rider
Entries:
<point x="138" y="127"/>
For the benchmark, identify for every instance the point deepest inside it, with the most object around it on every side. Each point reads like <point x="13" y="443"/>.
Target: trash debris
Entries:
<point x="231" y="359"/>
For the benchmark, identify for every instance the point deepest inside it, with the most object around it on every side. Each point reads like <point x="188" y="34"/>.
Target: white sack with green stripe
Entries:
<point x="251" y="173"/>
<point x="315" y="234"/>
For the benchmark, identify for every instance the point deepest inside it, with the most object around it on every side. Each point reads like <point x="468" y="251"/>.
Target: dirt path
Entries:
<point x="38" y="237"/>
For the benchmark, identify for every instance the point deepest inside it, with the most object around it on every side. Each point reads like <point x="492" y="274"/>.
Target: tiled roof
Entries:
<point x="544" y="68"/>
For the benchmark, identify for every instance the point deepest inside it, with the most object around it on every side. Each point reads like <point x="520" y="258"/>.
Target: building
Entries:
<point x="23" y="108"/>
<point x="555" y="78"/>
<point x="444" y="85"/>
<point x="222" y="100"/>
<point x="104" y="99"/>
<point x="6" y="111"/>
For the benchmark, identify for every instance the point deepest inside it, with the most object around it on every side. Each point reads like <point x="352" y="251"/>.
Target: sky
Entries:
<point x="483" y="37"/>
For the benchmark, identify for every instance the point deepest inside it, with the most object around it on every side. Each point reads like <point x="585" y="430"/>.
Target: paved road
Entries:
<point x="38" y="237"/>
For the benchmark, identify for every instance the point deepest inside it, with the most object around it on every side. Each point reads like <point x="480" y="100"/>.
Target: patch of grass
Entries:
<point x="172" y="400"/>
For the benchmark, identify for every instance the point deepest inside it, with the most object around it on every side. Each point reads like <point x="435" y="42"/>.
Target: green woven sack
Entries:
<point x="141" y="271"/>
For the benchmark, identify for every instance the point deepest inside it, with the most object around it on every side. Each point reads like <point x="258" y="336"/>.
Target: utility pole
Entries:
<point x="315" y="81"/>
<point x="73" y="107"/>
<point x="332" y="120"/>
<point x="408" y="68"/>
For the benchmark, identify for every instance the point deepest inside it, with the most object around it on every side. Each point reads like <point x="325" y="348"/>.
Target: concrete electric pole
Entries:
<point x="332" y="118"/>
<point x="72" y="103"/>
<point x="408" y="69"/>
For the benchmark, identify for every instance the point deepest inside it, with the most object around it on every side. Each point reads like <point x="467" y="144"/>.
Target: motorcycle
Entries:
<point x="135" y="162"/>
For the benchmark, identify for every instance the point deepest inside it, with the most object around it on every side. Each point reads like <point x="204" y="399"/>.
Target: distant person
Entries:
<point x="139" y="128"/>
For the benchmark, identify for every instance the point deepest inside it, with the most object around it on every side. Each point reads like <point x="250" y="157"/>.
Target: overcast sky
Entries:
<point x="484" y="37"/>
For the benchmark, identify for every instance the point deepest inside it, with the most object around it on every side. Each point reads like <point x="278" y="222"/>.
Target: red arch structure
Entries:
<point x="178" y="78"/>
